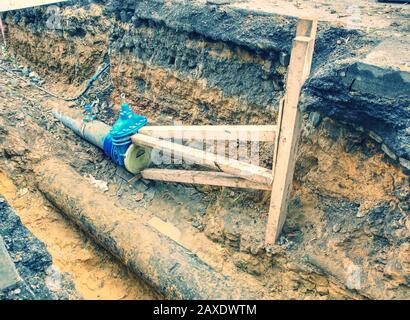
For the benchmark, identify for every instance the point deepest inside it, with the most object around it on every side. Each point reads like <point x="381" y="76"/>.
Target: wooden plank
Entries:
<point x="307" y="28"/>
<point x="290" y="127"/>
<point x="265" y="133"/>
<point x="214" y="161"/>
<point x="203" y="178"/>
<point x="3" y="33"/>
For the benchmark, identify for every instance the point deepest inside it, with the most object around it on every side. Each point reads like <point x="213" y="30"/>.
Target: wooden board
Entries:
<point x="265" y="133"/>
<point x="214" y="161"/>
<point x="202" y="178"/>
<point x="290" y="127"/>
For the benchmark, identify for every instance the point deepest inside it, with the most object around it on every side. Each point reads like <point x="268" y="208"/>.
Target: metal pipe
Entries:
<point x="93" y="131"/>
<point x="133" y="158"/>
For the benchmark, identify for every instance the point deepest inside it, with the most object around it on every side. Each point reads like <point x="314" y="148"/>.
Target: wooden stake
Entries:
<point x="265" y="133"/>
<point x="217" y="162"/>
<point x="202" y="177"/>
<point x="290" y="126"/>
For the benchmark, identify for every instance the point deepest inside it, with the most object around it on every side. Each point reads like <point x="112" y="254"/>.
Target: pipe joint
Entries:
<point x="118" y="141"/>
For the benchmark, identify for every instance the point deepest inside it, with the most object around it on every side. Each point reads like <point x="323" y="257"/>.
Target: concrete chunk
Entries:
<point x="390" y="153"/>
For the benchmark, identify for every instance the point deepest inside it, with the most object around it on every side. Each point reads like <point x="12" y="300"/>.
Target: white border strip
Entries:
<point x="8" y="5"/>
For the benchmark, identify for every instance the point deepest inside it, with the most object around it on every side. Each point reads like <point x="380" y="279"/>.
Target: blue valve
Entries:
<point x="117" y="142"/>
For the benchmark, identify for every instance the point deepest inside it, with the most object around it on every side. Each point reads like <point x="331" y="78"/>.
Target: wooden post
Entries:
<point x="290" y="127"/>
<point x="3" y="33"/>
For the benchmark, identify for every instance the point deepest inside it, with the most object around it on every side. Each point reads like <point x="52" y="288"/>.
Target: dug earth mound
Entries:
<point x="225" y="62"/>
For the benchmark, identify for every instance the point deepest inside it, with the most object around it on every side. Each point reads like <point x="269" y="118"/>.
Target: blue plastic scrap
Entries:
<point x="117" y="142"/>
<point x="89" y="116"/>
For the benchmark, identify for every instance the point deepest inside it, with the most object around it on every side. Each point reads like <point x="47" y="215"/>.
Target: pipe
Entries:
<point x="167" y="266"/>
<point x="115" y="141"/>
<point x="94" y="131"/>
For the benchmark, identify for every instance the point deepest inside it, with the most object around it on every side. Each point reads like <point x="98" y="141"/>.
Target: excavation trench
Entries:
<point x="193" y="63"/>
<point x="96" y="274"/>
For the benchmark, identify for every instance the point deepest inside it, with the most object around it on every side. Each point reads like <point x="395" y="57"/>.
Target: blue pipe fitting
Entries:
<point x="117" y="142"/>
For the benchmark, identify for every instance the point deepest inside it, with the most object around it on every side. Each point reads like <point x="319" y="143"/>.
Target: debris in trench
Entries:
<point x="102" y="185"/>
<point x="22" y="192"/>
<point x="139" y="196"/>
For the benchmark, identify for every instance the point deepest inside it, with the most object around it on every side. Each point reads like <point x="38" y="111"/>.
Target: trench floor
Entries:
<point x="95" y="273"/>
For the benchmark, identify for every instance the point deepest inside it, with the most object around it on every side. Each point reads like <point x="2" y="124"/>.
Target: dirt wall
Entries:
<point x="348" y="228"/>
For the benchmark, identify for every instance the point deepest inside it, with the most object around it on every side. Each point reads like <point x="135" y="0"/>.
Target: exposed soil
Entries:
<point x="323" y="179"/>
<point x="34" y="277"/>
<point x="162" y="200"/>
<point x="348" y="229"/>
<point x="78" y="249"/>
<point x="96" y="274"/>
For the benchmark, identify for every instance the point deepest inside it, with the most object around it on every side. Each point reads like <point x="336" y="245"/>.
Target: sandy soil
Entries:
<point x="95" y="273"/>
